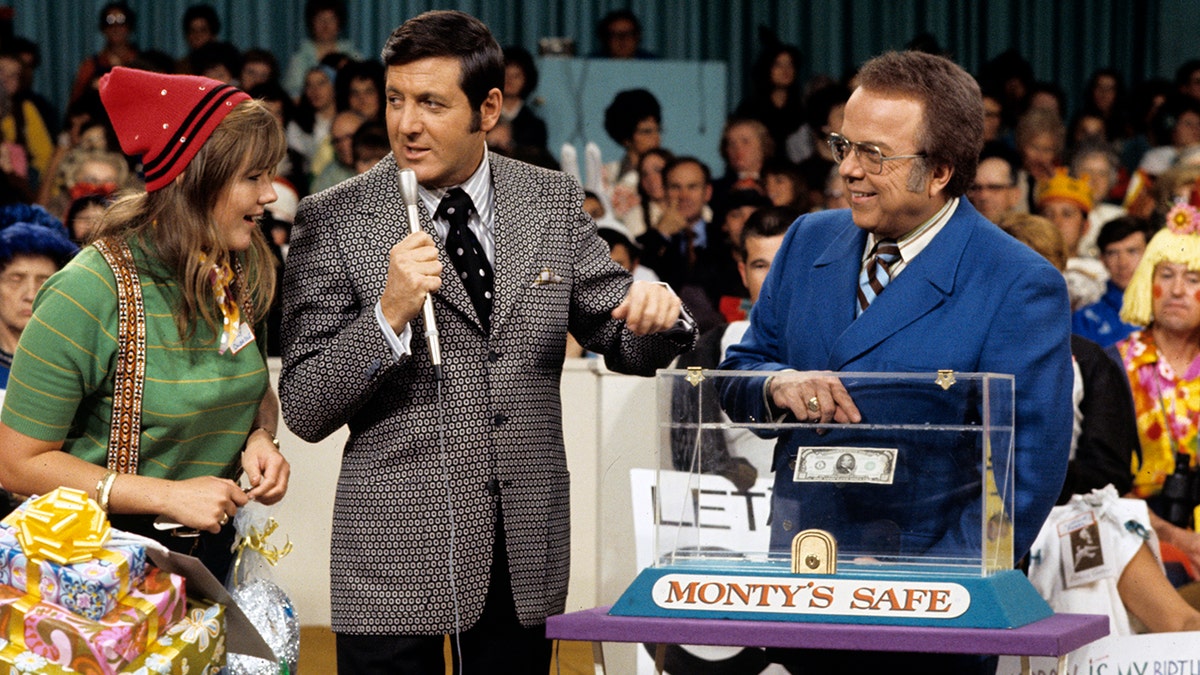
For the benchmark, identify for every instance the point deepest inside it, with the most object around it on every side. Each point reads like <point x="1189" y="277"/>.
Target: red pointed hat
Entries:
<point x="165" y="118"/>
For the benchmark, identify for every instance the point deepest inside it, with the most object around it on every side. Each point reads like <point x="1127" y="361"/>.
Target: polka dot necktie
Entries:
<point x="877" y="272"/>
<point x="466" y="253"/>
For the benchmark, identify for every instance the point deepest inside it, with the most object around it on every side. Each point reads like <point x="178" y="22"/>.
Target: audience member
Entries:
<point x="117" y="23"/>
<point x="634" y="121"/>
<point x="995" y="191"/>
<point x="259" y="66"/>
<point x="370" y="145"/>
<point x="341" y="138"/>
<point x="33" y="246"/>
<point x="619" y="36"/>
<point x="83" y="217"/>
<point x="520" y="79"/>
<point x="1040" y="140"/>
<point x="993" y="118"/>
<point x="1099" y="166"/>
<point x="1174" y="127"/>
<point x="652" y="191"/>
<point x="22" y="129"/>
<point x="671" y="245"/>
<point x="746" y="146"/>
<point x="359" y="87"/>
<point x="313" y="116"/>
<point x="1066" y="201"/>
<point x="201" y="26"/>
<point x="1104" y="96"/>
<point x="1122" y="242"/>
<point x="1187" y="79"/>
<point x="1163" y="365"/>
<point x="30" y="56"/>
<point x="623" y="249"/>
<point x="324" y="20"/>
<point x="774" y="98"/>
<point x="785" y="185"/>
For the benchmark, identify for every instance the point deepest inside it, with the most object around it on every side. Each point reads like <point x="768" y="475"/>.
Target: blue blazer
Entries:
<point x="975" y="300"/>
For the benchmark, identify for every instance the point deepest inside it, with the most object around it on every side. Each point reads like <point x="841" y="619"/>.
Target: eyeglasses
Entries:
<point x="869" y="155"/>
<point x="115" y="19"/>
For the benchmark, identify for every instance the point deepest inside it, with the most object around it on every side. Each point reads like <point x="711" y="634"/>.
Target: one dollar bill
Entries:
<point x="845" y="465"/>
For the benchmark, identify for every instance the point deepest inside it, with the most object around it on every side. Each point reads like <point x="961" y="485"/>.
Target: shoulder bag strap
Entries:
<point x="124" y="436"/>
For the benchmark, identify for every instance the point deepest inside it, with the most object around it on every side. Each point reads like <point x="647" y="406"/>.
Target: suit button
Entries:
<point x="493" y="356"/>
<point x="499" y="419"/>
<point x="787" y="526"/>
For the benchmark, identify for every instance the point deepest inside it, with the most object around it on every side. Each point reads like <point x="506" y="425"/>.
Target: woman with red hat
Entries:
<point x="144" y="361"/>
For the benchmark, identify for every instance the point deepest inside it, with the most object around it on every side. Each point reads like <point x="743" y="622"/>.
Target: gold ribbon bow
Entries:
<point x="256" y="541"/>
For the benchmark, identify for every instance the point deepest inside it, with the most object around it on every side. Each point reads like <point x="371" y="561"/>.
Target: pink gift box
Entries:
<point x="103" y="646"/>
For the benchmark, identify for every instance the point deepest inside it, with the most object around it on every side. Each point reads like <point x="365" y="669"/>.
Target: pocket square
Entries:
<point x="546" y="276"/>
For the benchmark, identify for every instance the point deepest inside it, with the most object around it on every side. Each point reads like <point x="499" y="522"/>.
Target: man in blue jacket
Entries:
<point x="910" y="279"/>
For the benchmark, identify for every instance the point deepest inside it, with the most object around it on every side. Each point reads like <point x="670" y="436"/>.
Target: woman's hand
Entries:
<point x="205" y="503"/>
<point x="265" y="468"/>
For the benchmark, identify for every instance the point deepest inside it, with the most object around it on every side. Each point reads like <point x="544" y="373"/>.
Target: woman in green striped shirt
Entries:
<point x="206" y="275"/>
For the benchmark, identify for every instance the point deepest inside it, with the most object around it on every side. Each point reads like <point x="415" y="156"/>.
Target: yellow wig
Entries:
<point x="1179" y="243"/>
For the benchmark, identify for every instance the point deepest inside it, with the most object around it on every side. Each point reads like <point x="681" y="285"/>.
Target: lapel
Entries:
<point x="921" y="288"/>
<point x="518" y="230"/>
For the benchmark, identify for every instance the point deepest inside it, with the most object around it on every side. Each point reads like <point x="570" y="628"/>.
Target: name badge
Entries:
<point x="244" y="337"/>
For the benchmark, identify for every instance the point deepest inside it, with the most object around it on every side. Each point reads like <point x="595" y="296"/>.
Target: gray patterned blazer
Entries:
<point x="502" y="410"/>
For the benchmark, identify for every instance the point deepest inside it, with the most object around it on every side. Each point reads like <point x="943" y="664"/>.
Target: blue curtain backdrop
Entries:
<point x="1064" y="41"/>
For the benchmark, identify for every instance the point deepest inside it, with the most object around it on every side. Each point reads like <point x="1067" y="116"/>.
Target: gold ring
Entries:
<point x="814" y="405"/>
<point x="224" y="520"/>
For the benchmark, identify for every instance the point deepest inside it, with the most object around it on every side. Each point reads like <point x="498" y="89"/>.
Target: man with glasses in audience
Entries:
<point x="995" y="191"/>
<point x="910" y="279"/>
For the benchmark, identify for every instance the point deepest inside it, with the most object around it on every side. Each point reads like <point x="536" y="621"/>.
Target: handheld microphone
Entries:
<point x="408" y="190"/>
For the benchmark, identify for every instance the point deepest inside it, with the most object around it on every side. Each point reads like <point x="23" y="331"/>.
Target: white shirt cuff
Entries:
<point x="400" y="344"/>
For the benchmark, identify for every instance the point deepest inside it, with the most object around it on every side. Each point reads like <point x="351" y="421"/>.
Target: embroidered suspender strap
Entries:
<point x="124" y="436"/>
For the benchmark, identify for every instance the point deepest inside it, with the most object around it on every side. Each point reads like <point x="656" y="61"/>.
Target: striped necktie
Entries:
<point x="877" y="272"/>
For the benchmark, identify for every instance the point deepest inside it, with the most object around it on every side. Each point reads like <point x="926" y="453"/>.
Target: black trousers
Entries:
<point x="496" y="645"/>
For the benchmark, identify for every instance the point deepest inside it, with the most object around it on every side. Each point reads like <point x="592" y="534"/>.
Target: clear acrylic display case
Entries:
<point x="923" y="485"/>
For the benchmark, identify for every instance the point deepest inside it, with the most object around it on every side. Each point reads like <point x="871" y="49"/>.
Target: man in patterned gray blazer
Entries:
<point x="452" y="503"/>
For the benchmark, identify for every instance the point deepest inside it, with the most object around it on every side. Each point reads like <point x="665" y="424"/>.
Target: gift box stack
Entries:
<point x="72" y="600"/>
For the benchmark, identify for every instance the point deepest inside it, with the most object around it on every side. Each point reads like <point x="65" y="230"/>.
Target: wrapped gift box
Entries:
<point x="195" y="645"/>
<point x="105" y="646"/>
<point x="91" y="588"/>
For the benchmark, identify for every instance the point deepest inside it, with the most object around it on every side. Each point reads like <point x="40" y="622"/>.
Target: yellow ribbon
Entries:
<point x="257" y="541"/>
<point x="64" y="526"/>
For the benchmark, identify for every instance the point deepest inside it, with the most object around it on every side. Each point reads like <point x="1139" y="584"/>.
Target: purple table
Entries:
<point x="1055" y="636"/>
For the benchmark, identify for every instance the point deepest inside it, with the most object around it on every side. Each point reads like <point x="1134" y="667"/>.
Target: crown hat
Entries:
<point x="1062" y="186"/>
<point x="1178" y="242"/>
<point x="165" y="118"/>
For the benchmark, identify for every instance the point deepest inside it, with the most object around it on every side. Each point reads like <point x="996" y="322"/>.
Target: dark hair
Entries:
<point x="23" y="45"/>
<point x="78" y="205"/>
<point x="205" y="12"/>
<point x="519" y="56"/>
<point x="951" y="131"/>
<point x="358" y="70"/>
<point x="605" y="24"/>
<point x="761" y="72"/>
<point x="371" y="135"/>
<point x="120" y="6"/>
<point x="155" y="61"/>
<point x="820" y="102"/>
<point x="453" y="34"/>
<point x="260" y="55"/>
<point x="629" y="107"/>
<point x="769" y="221"/>
<point x="213" y="54"/>
<point x="1118" y="228"/>
<point x="274" y="92"/>
<point x="686" y="159"/>
<point x="314" y="7"/>
<point x="1183" y="74"/>
<point x="781" y="166"/>
<point x="1162" y="125"/>
<point x="1002" y="151"/>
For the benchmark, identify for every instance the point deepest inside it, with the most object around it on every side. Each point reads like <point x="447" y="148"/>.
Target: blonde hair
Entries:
<point x="1166" y="246"/>
<point x="176" y="221"/>
<point x="1039" y="234"/>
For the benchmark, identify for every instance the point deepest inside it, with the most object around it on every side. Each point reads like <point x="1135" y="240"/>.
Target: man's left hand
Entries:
<point x="648" y="308"/>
